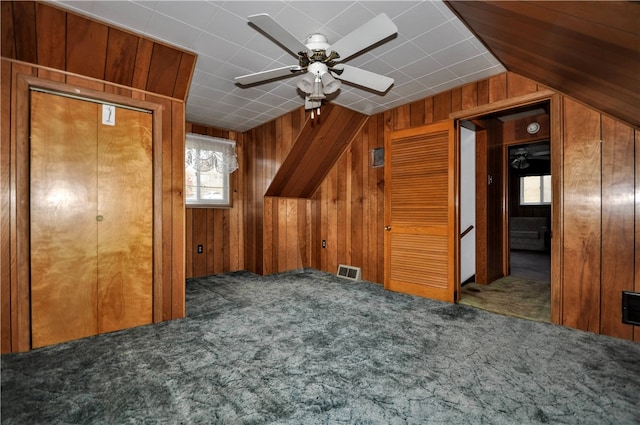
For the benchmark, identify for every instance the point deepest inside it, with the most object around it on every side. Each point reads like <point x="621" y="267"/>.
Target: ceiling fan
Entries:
<point x="520" y="156"/>
<point x="321" y="62"/>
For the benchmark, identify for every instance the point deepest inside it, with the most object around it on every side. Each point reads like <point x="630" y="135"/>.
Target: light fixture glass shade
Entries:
<point x="317" y="93"/>
<point x="330" y="84"/>
<point x="306" y="83"/>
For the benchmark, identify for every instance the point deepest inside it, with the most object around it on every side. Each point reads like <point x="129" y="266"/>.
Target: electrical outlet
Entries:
<point x="324" y="243"/>
<point x="200" y="249"/>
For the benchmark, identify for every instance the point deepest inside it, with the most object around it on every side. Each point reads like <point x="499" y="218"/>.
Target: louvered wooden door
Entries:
<point x="419" y="212"/>
<point x="91" y="219"/>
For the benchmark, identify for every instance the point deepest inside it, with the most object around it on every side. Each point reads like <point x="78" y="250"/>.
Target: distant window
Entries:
<point x="535" y="190"/>
<point x="208" y="163"/>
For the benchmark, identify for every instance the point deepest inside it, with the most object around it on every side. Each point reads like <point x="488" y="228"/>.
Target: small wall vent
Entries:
<point x="631" y="308"/>
<point x="349" y="272"/>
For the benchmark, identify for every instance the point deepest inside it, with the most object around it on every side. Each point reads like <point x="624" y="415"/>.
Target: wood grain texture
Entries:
<point x="419" y="257"/>
<point x="618" y="224"/>
<point x="18" y="283"/>
<point x="5" y="208"/>
<point x="592" y="56"/>
<point x="125" y="234"/>
<point x="317" y="148"/>
<point x="223" y="246"/>
<point x="64" y="201"/>
<point x="582" y="219"/>
<point x="636" y="277"/>
<point x="43" y="34"/>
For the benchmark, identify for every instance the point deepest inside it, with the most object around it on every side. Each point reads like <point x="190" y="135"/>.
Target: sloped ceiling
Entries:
<point x="587" y="50"/>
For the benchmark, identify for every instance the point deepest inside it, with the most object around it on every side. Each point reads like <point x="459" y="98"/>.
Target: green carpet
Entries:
<point x="511" y="296"/>
<point x="310" y="348"/>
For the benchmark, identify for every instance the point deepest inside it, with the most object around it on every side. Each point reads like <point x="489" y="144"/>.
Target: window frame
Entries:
<point x="202" y="142"/>
<point x="542" y="192"/>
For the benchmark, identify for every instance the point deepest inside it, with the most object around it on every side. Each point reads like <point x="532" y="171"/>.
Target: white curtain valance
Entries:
<point x="214" y="153"/>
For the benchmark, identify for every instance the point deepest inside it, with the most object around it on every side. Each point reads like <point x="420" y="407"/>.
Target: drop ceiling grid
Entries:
<point x="432" y="52"/>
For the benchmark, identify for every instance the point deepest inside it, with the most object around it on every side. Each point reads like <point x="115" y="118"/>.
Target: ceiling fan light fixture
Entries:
<point x="329" y="84"/>
<point x="307" y="83"/>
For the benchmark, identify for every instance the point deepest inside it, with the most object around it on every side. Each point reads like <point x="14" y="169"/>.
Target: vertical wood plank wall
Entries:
<point x="219" y="230"/>
<point x="347" y="209"/>
<point x="46" y="42"/>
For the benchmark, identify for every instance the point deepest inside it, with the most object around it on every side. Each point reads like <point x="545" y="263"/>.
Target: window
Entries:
<point x="208" y="163"/>
<point x="535" y="190"/>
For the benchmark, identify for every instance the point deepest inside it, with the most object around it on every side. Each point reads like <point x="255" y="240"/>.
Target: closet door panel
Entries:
<point x="125" y="204"/>
<point x="63" y="220"/>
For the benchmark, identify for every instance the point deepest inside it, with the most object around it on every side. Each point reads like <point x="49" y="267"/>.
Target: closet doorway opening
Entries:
<point x="506" y="210"/>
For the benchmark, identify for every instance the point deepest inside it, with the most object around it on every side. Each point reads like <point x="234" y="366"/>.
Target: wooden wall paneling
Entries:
<point x="556" y="144"/>
<point x="292" y="246"/>
<point x="219" y="248"/>
<point x="51" y="48"/>
<point x="163" y="69"/>
<point x="236" y="220"/>
<point x="498" y="87"/>
<point x="280" y="249"/>
<point x="482" y="172"/>
<point x="518" y="85"/>
<point x="456" y="99"/>
<point x="20" y="254"/>
<point x="178" y="246"/>
<point x="379" y="211"/>
<point x="167" y="197"/>
<point x="189" y="252"/>
<point x="270" y="223"/>
<point x="482" y="91"/>
<point x="24" y="16"/>
<point x="86" y="46"/>
<point x="6" y="206"/>
<point x="7" y="41"/>
<point x="636" y="278"/>
<point x="341" y="231"/>
<point x="183" y="78"/>
<point x="356" y="240"/>
<point x="428" y="111"/>
<point x="199" y="238"/>
<point x="581" y="217"/>
<point x="441" y="106"/>
<point x="121" y="57"/>
<point x="210" y="251"/>
<point x="142" y="67"/>
<point x="417" y="110"/>
<point x="332" y="224"/>
<point x="402" y="117"/>
<point x="618" y="225"/>
<point x="469" y="94"/>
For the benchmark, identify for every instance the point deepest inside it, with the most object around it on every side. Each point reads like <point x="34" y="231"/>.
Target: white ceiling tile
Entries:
<point x="419" y="19"/>
<point x="456" y="53"/>
<point x="469" y="66"/>
<point x="194" y="13"/>
<point x="439" y="38"/>
<point x="424" y="65"/>
<point x="428" y="54"/>
<point x="129" y="15"/>
<point x="174" y="32"/>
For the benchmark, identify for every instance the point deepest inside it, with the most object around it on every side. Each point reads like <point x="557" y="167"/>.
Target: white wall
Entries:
<point x="467" y="203"/>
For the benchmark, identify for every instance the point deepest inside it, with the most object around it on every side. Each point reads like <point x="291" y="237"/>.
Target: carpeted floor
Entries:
<point x="309" y="348"/>
<point x="511" y="296"/>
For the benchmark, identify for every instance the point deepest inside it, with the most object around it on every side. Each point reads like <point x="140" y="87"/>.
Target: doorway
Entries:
<point x="512" y="227"/>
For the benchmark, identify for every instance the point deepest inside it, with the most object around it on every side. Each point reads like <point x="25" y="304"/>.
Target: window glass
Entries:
<point x="208" y="163"/>
<point x="535" y="190"/>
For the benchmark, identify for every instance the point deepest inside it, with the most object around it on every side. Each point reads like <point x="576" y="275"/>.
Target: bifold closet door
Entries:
<point x="125" y="203"/>
<point x="64" y="235"/>
<point x="91" y="219"/>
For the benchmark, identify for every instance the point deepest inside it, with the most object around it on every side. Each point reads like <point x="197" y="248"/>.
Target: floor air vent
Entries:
<point x="349" y="272"/>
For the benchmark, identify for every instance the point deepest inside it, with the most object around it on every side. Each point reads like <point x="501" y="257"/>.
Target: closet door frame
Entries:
<point x="21" y="302"/>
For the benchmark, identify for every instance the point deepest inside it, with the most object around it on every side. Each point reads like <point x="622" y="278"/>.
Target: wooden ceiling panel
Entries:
<point x="587" y="50"/>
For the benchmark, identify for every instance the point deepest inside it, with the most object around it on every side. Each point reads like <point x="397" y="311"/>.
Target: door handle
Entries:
<point x="387" y="228"/>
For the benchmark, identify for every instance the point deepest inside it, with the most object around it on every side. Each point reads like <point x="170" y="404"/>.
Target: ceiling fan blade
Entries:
<point x="259" y="77"/>
<point x="365" y="36"/>
<point x="363" y="78"/>
<point x="280" y="35"/>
